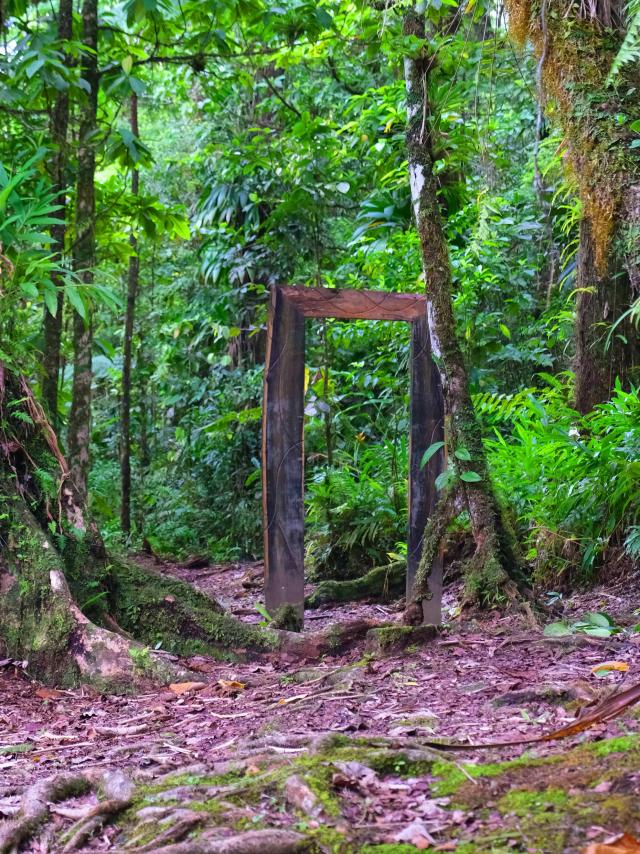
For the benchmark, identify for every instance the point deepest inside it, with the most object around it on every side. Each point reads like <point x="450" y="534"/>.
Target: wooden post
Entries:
<point x="427" y="427"/>
<point x="283" y="457"/>
<point x="283" y="439"/>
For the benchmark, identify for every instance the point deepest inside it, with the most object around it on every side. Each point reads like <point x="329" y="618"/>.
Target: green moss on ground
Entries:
<point x="545" y="804"/>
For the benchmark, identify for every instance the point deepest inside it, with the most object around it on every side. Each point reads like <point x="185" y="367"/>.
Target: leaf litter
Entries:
<point x="257" y="725"/>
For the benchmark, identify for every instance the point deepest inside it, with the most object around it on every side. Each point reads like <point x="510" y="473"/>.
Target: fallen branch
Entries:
<point x="605" y="711"/>
<point x="382" y="582"/>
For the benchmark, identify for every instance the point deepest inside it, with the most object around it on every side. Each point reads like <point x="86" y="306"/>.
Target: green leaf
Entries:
<point x="431" y="450"/>
<point x="29" y="289"/>
<point x="470" y="477"/>
<point x="127" y="64"/>
<point x="505" y="331"/>
<point x="599" y="619"/>
<point x="181" y="228"/>
<point x="51" y="301"/>
<point x="598" y="633"/>
<point x="462" y="454"/>
<point x="557" y="630"/>
<point x="76" y="301"/>
<point x="445" y="478"/>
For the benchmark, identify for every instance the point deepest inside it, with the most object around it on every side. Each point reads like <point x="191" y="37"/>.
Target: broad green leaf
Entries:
<point x="470" y="477"/>
<point x="76" y="301"/>
<point x="600" y="619"/>
<point x="431" y="450"/>
<point x="598" y="632"/>
<point x="462" y="454"/>
<point x="557" y="630"/>
<point x="29" y="289"/>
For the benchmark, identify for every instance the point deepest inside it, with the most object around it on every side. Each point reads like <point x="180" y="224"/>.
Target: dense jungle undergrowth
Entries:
<point x="163" y="165"/>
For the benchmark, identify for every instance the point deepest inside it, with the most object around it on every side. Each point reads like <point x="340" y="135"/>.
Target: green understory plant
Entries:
<point x="572" y="480"/>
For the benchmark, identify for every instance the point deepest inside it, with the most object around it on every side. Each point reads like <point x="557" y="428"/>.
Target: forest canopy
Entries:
<point x="164" y="164"/>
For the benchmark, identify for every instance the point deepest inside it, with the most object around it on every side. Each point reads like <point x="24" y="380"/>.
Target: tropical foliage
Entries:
<point x="271" y="149"/>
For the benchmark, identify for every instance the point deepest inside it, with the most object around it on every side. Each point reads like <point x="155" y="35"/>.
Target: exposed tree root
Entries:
<point x="251" y="842"/>
<point x="166" y="814"/>
<point x="34" y="808"/>
<point x="92" y="822"/>
<point x="336" y="638"/>
<point x="384" y="582"/>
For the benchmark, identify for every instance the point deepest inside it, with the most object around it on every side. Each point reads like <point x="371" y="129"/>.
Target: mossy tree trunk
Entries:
<point x="489" y="572"/>
<point x="127" y="356"/>
<point x="576" y="44"/>
<point x="52" y="324"/>
<point x="66" y="606"/>
<point x="84" y="253"/>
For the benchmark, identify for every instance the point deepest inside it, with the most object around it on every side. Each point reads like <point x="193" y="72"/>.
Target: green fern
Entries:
<point x="630" y="48"/>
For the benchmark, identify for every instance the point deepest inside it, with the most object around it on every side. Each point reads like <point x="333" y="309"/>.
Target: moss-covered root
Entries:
<point x="160" y="609"/>
<point x="40" y="623"/>
<point x="383" y="582"/>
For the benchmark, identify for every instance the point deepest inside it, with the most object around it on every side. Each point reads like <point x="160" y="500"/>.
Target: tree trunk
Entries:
<point x="84" y="257"/>
<point x="576" y="46"/>
<point x="59" y="587"/>
<point x="488" y="574"/>
<point x="132" y="290"/>
<point x="53" y="322"/>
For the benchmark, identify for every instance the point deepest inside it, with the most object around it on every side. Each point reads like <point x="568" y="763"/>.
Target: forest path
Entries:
<point x="293" y="747"/>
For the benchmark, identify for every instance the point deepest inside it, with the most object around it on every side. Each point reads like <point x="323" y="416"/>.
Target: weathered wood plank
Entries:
<point x="283" y="456"/>
<point x="427" y="426"/>
<point x="356" y="305"/>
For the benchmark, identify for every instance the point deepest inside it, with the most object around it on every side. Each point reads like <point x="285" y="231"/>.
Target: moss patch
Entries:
<point x="156" y="608"/>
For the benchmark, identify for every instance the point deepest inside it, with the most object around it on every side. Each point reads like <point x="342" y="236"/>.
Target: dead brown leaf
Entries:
<point x="231" y="686"/>
<point x="49" y="694"/>
<point x="608" y="666"/>
<point x="605" y="711"/>
<point x="623" y="844"/>
<point x="180" y="688"/>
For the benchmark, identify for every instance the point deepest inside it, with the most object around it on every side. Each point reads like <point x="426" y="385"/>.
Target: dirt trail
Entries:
<point x="293" y="749"/>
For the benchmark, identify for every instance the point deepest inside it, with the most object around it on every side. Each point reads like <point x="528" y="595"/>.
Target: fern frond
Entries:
<point x="630" y="48"/>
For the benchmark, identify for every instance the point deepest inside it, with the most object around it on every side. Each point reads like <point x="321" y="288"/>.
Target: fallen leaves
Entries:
<point x="608" y="667"/>
<point x="49" y="694"/>
<point x="180" y="688"/>
<point x="621" y="844"/>
<point x="416" y="834"/>
<point x="231" y="686"/>
<point x="605" y="711"/>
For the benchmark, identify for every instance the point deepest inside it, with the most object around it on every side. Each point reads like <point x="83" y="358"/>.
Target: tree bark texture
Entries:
<point x="52" y="325"/>
<point x="488" y="573"/>
<point x="132" y="291"/>
<point x="576" y="44"/>
<point x="84" y="257"/>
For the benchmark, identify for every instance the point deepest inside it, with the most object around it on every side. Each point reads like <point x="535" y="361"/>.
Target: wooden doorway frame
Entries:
<point x="283" y="431"/>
